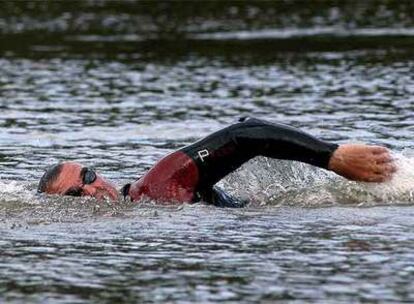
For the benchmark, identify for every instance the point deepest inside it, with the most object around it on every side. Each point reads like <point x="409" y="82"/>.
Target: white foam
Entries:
<point x="400" y="187"/>
<point x="285" y="182"/>
<point x="10" y="187"/>
<point x="284" y="33"/>
<point x="11" y="191"/>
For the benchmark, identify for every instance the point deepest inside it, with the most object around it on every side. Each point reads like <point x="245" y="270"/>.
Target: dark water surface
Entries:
<point x="85" y="87"/>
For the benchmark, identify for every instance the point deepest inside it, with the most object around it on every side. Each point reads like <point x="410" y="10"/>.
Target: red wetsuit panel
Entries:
<point x="173" y="179"/>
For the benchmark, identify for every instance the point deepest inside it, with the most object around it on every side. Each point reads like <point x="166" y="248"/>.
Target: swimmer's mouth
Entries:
<point x="100" y="194"/>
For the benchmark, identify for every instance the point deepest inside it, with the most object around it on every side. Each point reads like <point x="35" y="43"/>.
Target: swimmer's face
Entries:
<point x="76" y="180"/>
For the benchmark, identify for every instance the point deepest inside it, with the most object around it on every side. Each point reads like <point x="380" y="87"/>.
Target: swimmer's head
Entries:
<point x="69" y="178"/>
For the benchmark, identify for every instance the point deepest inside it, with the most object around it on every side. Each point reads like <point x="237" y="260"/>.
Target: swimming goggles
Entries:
<point x="88" y="176"/>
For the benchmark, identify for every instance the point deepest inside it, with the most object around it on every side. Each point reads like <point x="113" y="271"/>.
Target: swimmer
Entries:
<point x="189" y="174"/>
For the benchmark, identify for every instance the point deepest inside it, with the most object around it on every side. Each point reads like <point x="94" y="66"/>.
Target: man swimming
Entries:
<point x="190" y="173"/>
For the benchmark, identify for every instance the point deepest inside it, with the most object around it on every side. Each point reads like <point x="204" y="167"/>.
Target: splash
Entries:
<point x="11" y="191"/>
<point x="274" y="182"/>
<point x="262" y="181"/>
<point x="400" y="189"/>
<point x="21" y="206"/>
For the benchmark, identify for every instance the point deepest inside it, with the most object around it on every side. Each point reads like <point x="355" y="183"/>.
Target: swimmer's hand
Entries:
<point x="362" y="163"/>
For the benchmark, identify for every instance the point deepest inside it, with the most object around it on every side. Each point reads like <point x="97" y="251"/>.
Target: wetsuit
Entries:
<point x="189" y="174"/>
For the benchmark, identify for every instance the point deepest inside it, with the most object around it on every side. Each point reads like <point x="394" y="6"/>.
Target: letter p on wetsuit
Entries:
<point x="189" y="174"/>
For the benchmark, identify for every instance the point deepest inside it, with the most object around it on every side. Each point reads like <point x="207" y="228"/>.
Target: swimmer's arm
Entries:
<point x="224" y="151"/>
<point x="356" y="162"/>
<point x="258" y="137"/>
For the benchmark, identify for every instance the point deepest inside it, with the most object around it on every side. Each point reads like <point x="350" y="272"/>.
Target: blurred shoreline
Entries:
<point x="177" y="28"/>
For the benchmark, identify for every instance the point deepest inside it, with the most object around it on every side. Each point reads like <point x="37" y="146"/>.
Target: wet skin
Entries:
<point x="70" y="180"/>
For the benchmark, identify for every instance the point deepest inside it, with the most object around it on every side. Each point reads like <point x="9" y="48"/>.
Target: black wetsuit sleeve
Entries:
<point x="226" y="150"/>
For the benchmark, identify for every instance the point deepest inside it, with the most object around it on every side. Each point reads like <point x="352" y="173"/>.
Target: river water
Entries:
<point x="119" y="102"/>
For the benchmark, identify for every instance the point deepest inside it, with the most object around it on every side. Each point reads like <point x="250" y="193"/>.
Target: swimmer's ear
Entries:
<point x="125" y="190"/>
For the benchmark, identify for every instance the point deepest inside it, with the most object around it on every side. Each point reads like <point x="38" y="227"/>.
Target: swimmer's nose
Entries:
<point x="109" y="192"/>
<point x="101" y="189"/>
